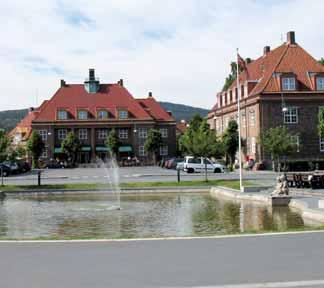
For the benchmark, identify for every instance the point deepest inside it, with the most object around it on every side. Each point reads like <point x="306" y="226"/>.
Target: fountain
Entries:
<point x="112" y="173"/>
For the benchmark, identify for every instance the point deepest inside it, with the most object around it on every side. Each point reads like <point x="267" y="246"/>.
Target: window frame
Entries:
<point x="44" y="153"/>
<point x="288" y="116"/>
<point x="60" y="134"/>
<point x="297" y="142"/>
<point x="141" y="151"/>
<point x="82" y="111"/>
<point x="120" y="113"/>
<point x="142" y="133"/>
<point x="123" y="133"/>
<point x="102" y="134"/>
<point x="101" y="111"/>
<point x="43" y="134"/>
<point x="317" y="82"/>
<point x="287" y="86"/>
<point x="164" y="150"/>
<point x="164" y="132"/>
<point x="321" y="142"/>
<point x="82" y="135"/>
<point x="59" y="111"/>
<point x="252" y="119"/>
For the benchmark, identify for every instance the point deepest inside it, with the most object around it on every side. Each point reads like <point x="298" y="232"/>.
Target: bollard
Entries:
<point x="39" y="177"/>
<point x="178" y="173"/>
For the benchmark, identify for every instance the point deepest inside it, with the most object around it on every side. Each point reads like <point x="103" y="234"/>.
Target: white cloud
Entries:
<point x="180" y="50"/>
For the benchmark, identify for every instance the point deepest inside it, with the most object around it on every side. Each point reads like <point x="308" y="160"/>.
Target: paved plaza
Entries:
<point x="293" y="260"/>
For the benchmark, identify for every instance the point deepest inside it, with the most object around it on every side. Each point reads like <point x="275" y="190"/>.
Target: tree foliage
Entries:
<point x="232" y="76"/>
<point x="70" y="147"/>
<point x="321" y="61"/>
<point x="4" y="145"/>
<point x="278" y="142"/>
<point x="35" y="146"/>
<point x="153" y="142"/>
<point x="320" y="126"/>
<point x="231" y="141"/>
<point x="112" y="142"/>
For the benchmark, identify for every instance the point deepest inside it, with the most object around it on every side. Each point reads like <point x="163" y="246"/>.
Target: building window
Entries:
<point x="291" y="115"/>
<point x="320" y="83"/>
<point x="61" y="134"/>
<point x="102" y="114"/>
<point x="141" y="150"/>
<point x="164" y="150"/>
<point x="123" y="134"/>
<point x="217" y="125"/>
<point x="82" y="114"/>
<point x="164" y="132"/>
<point x="102" y="134"/>
<point x="142" y="132"/>
<point x="288" y="83"/>
<point x="252" y="118"/>
<point x="322" y="144"/>
<point x="83" y="134"/>
<point x="122" y="114"/>
<point x="295" y="140"/>
<point x="243" y="119"/>
<point x="253" y="145"/>
<point x="43" y="134"/>
<point x="45" y="152"/>
<point x="62" y="115"/>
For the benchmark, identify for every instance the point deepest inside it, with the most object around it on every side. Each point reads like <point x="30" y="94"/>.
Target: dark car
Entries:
<point x="23" y="166"/>
<point x="6" y="171"/>
<point x="14" y="167"/>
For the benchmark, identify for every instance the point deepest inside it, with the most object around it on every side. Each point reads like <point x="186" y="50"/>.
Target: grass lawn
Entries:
<point x="234" y="184"/>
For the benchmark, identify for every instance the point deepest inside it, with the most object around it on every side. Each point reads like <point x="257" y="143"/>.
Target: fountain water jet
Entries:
<point x="112" y="173"/>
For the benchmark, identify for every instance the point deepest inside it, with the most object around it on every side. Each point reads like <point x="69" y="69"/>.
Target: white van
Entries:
<point x="197" y="164"/>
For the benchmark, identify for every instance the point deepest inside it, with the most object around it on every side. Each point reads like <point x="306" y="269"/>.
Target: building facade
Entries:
<point x="284" y="87"/>
<point x="91" y="110"/>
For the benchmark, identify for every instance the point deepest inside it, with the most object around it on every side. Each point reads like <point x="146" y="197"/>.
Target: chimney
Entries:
<point x="31" y="109"/>
<point x="291" y="37"/>
<point x="170" y="113"/>
<point x="121" y="82"/>
<point x="63" y="84"/>
<point x="266" y="50"/>
<point x="92" y="75"/>
<point x="150" y="94"/>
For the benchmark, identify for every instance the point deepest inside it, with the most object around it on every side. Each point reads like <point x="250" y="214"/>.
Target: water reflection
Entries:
<point x="87" y="216"/>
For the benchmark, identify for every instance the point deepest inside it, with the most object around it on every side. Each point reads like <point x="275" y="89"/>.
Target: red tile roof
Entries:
<point x="155" y="110"/>
<point x="287" y="58"/>
<point x="74" y="97"/>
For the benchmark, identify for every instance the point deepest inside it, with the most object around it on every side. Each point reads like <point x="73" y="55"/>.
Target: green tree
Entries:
<point x="35" y="146"/>
<point x="153" y="143"/>
<point x="321" y="61"/>
<point x="320" y="126"/>
<point x="21" y="151"/>
<point x="201" y="141"/>
<point x="278" y="142"/>
<point x="112" y="142"/>
<point x="70" y="147"/>
<point x="230" y="141"/>
<point x="232" y="76"/>
<point x="4" y="145"/>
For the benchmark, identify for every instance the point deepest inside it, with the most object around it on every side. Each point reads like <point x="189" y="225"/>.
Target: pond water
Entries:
<point x="158" y="215"/>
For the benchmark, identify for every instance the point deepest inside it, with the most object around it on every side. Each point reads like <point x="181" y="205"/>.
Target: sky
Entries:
<point x="178" y="49"/>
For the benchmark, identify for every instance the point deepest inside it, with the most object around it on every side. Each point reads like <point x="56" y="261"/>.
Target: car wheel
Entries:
<point x="191" y="170"/>
<point x="217" y="170"/>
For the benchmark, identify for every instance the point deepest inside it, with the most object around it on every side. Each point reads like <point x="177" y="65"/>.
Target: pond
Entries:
<point x="142" y="216"/>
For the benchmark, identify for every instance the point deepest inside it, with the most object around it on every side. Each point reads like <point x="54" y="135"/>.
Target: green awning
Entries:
<point x="102" y="149"/>
<point x="125" y="149"/>
<point x="86" y="148"/>
<point x="57" y="150"/>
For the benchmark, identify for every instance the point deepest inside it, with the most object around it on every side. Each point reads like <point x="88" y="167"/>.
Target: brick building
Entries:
<point x="91" y="110"/>
<point x="284" y="87"/>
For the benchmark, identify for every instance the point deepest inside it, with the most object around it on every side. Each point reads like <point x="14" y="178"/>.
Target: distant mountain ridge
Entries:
<point x="10" y="118"/>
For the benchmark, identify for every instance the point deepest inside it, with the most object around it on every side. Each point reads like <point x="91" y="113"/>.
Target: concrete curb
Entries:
<point x="312" y="214"/>
<point x="143" y="190"/>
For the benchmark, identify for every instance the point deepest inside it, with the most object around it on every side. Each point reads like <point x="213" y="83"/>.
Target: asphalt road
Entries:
<point x="283" y="260"/>
<point x="128" y="174"/>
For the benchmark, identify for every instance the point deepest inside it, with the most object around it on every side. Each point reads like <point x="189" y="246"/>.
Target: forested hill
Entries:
<point x="9" y="118"/>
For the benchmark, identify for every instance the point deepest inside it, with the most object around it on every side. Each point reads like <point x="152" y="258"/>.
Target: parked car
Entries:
<point x="180" y="166"/>
<point x="14" y="167"/>
<point x="6" y="171"/>
<point x="23" y="166"/>
<point x="172" y="164"/>
<point x="198" y="164"/>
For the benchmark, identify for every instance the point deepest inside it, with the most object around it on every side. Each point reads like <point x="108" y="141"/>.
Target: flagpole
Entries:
<point x="239" y="118"/>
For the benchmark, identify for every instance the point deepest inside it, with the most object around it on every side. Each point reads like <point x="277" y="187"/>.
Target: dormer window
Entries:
<point x="102" y="114"/>
<point x="62" y="115"/>
<point x="122" y="114"/>
<point x="320" y="83"/>
<point x="288" y="83"/>
<point x="82" y="114"/>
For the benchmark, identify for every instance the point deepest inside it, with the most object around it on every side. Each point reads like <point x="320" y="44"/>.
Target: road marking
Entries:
<point x="165" y="238"/>
<point x="292" y="284"/>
